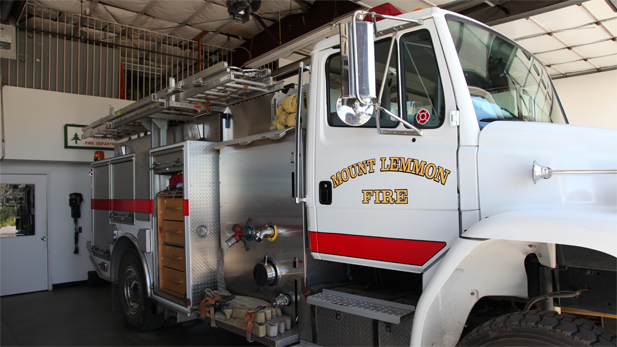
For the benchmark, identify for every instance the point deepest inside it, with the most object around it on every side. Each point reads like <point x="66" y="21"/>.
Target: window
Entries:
<point x="424" y="100"/>
<point x="389" y="98"/>
<point x="16" y="210"/>
<point x="505" y="82"/>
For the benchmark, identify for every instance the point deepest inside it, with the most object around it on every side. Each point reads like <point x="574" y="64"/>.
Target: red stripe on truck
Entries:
<point x="101" y="204"/>
<point x="402" y="251"/>
<point x="185" y="208"/>
<point x="139" y="206"/>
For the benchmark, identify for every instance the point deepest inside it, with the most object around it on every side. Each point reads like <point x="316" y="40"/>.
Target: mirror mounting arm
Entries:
<point x="418" y="132"/>
<point x="385" y="76"/>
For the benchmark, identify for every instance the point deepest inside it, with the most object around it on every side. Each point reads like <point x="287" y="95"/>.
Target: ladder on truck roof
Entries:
<point x="212" y="89"/>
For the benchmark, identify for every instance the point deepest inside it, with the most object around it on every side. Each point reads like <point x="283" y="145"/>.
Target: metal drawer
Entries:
<point x="173" y="257"/>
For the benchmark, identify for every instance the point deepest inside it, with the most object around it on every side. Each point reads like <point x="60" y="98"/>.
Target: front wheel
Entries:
<point x="139" y="311"/>
<point x="538" y="328"/>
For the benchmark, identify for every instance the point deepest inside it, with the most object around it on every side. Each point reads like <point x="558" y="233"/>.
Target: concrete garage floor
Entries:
<point x="82" y="316"/>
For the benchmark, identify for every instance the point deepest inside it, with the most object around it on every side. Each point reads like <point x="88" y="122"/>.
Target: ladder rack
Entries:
<point x="207" y="91"/>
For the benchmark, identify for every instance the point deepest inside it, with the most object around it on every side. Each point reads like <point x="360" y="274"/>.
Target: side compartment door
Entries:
<point x="386" y="199"/>
<point x="101" y="206"/>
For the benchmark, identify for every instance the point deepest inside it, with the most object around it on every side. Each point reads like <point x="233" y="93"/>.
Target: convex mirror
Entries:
<point x="355" y="105"/>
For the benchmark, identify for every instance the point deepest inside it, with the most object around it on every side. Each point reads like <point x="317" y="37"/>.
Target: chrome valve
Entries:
<point x="281" y="300"/>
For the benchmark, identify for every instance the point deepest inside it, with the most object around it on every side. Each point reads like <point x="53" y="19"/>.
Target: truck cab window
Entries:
<point x="389" y="98"/>
<point x="424" y="100"/>
<point x="505" y="82"/>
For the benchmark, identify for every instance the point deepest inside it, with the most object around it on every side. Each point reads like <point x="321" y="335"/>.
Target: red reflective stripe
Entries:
<point x="101" y="204"/>
<point x="122" y="205"/>
<point x="412" y="252"/>
<point x="142" y="206"/>
<point x="313" y="242"/>
<point x="185" y="209"/>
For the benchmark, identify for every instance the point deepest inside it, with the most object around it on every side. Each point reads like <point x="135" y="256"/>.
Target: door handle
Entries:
<point x="325" y="192"/>
<point x="44" y="238"/>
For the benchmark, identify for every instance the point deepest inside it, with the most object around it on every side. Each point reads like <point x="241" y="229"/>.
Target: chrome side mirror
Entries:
<point x="355" y="105"/>
<point x="358" y="100"/>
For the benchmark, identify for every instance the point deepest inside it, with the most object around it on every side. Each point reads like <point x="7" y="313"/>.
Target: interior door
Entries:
<point x="23" y="234"/>
<point x="388" y="199"/>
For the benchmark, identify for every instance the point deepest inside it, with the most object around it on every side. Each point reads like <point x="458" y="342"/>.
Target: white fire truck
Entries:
<point x="424" y="188"/>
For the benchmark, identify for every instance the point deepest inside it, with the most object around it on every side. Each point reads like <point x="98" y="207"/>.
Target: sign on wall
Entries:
<point x="72" y="139"/>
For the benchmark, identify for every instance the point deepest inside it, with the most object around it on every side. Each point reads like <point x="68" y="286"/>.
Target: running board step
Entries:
<point x="385" y="311"/>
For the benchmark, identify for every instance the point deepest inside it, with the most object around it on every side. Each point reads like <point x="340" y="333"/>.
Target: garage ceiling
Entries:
<point x="569" y="40"/>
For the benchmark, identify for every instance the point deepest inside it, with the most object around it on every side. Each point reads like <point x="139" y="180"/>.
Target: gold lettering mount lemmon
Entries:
<point x="412" y="166"/>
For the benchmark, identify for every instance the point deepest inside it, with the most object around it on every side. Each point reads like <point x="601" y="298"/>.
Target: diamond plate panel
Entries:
<point x="304" y="320"/>
<point x="347" y="330"/>
<point x="287" y="338"/>
<point x="201" y="188"/>
<point x="398" y="334"/>
<point x="362" y="306"/>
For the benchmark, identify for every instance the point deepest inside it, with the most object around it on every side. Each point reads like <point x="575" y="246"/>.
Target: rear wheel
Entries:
<point x="140" y="312"/>
<point x="538" y="328"/>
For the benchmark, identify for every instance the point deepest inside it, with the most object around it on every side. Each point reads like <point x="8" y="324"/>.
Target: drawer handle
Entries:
<point x="174" y="231"/>
<point x="174" y="280"/>
<point x="172" y="208"/>
<point x="173" y="257"/>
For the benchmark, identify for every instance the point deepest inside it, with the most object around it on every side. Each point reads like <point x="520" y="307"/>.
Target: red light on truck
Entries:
<point x="387" y="9"/>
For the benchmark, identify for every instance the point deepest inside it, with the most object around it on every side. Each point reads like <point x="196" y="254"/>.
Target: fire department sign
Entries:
<point x="72" y="139"/>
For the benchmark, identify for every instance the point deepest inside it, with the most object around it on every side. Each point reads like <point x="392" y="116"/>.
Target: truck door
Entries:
<point x="385" y="199"/>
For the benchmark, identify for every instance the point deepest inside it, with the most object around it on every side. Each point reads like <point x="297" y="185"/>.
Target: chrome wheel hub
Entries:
<point x="132" y="293"/>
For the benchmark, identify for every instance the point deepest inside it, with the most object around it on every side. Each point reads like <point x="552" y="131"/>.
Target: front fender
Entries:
<point x="471" y="270"/>
<point x="582" y="226"/>
<point x="489" y="261"/>
<point x="124" y="243"/>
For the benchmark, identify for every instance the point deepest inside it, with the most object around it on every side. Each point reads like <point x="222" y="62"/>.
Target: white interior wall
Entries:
<point x="63" y="179"/>
<point x="34" y="133"/>
<point x="590" y="100"/>
<point x="34" y="122"/>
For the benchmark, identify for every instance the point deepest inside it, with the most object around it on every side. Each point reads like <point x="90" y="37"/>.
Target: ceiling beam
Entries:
<point x="266" y="29"/>
<point x="528" y="12"/>
<point x="501" y="11"/>
<point x="220" y="30"/>
<point x="293" y="26"/>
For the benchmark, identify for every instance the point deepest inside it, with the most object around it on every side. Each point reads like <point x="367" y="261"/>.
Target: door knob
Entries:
<point x="43" y="238"/>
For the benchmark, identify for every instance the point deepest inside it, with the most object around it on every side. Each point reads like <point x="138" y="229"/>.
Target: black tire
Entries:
<point x="538" y="328"/>
<point x="139" y="311"/>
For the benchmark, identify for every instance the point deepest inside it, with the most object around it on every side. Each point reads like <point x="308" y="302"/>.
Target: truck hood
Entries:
<point x="506" y="154"/>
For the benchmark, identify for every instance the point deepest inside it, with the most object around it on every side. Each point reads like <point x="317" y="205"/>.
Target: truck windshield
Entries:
<point x="505" y="82"/>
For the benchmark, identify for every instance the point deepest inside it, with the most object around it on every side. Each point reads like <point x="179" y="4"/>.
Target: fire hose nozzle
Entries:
<point x="268" y="232"/>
